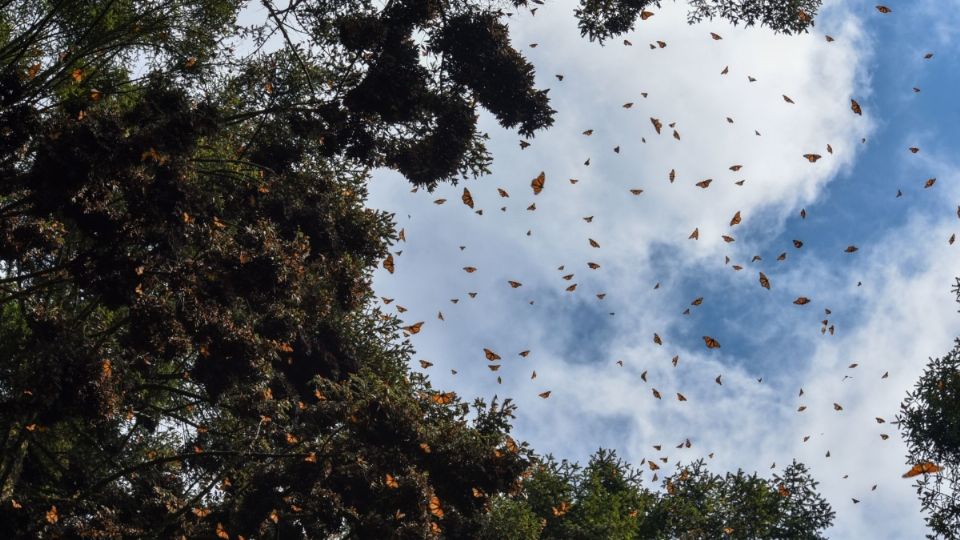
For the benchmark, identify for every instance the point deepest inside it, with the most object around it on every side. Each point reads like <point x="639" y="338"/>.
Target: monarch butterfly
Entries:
<point x="801" y="300"/>
<point x="491" y="355"/>
<point x="388" y="263"/>
<point x="726" y="69"/>
<point x="469" y="269"/>
<point x="537" y="183"/>
<point x="435" y="507"/>
<point x="829" y="38"/>
<point x="855" y="107"/>
<point x="493" y="367"/>
<point x="413" y="328"/>
<point x="680" y="397"/>
<point x="636" y="191"/>
<point x="656" y="124"/>
<point x="524" y="353"/>
<point x="439" y="201"/>
<point x="787" y="99"/>
<point x="656" y="394"/>
<point x="544" y="395"/>
<point x="704" y="183"/>
<point x="884" y="9"/>
<point x="711" y="343"/>
<point x="673" y="175"/>
<point x="716" y="37"/>
<point x="593" y="243"/>
<point x="922" y="468"/>
<point x="391" y="482"/>
<point x="644" y="15"/>
<point x="467" y="198"/>
<point x="514" y="284"/>
<point x="628" y="105"/>
<point x="913" y="149"/>
<point x="593" y="265"/>
<point x="851" y="249"/>
<point x="572" y="288"/>
<point x="657" y="340"/>
<point x="425" y="364"/>
<point x="697" y="301"/>
<point x="443" y="398"/>
<point x="798" y="244"/>
<point x="503" y="192"/>
<point x="930" y="183"/>
<point x="588" y="132"/>
<point x="736" y="168"/>
<point x="728" y="239"/>
<point x="764" y="282"/>
<point x="783" y="491"/>
<point x="736" y="219"/>
<point x="560" y="510"/>
<point x="695" y="234"/>
<point x="837" y="407"/>
<point x="812" y="158"/>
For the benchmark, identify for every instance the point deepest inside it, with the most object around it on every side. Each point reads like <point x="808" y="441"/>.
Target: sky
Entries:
<point x="890" y="301"/>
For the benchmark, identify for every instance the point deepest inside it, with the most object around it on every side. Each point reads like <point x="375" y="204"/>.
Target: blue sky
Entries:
<point x="901" y="315"/>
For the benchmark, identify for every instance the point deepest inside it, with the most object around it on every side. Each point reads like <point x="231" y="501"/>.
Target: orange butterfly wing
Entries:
<point x="538" y="182"/>
<point x="711" y="343"/>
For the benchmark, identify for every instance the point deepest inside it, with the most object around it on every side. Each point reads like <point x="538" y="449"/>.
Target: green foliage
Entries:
<point x="930" y="422"/>
<point x="510" y="518"/>
<point x="607" y="499"/>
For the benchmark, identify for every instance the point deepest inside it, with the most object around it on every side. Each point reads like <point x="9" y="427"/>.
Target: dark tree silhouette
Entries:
<point x="930" y="422"/>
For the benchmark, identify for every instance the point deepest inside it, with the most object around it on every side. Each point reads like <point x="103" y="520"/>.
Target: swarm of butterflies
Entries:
<point x="540" y="182"/>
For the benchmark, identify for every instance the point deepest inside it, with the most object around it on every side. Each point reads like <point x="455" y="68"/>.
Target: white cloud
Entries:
<point x="902" y="315"/>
